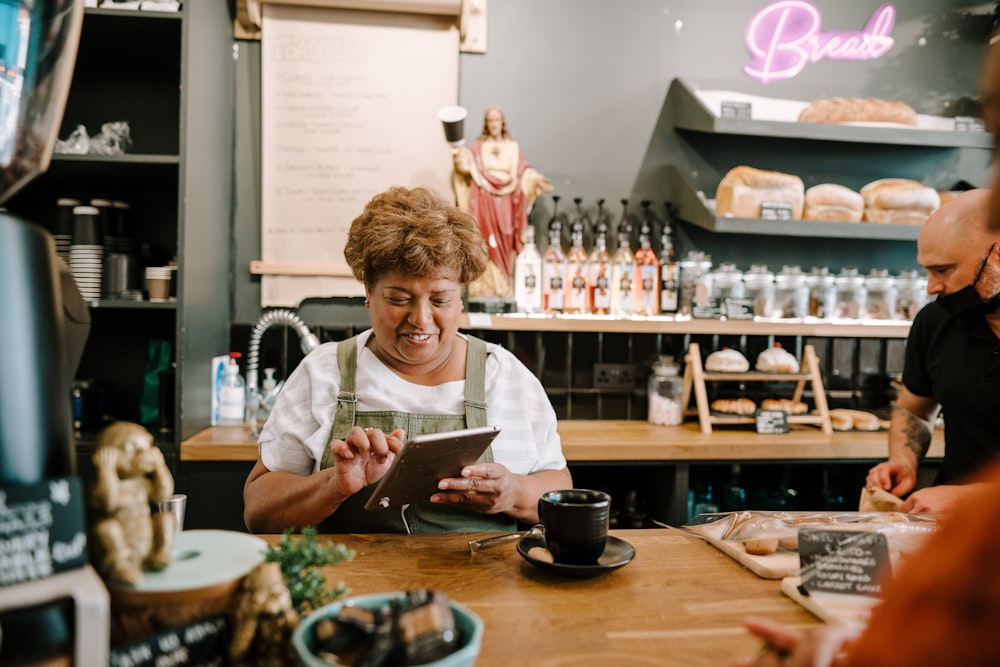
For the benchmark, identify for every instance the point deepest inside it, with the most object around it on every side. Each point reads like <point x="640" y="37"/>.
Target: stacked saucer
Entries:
<point x="86" y="253"/>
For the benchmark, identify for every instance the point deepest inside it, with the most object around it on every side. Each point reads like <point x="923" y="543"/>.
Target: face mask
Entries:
<point x="983" y="295"/>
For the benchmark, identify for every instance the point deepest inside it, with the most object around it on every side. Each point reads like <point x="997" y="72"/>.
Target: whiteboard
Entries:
<point x="349" y="108"/>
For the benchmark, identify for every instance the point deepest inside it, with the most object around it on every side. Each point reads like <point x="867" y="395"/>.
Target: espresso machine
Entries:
<point x="50" y="598"/>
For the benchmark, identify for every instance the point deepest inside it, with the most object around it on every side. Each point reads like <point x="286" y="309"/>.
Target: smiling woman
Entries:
<point x="344" y="413"/>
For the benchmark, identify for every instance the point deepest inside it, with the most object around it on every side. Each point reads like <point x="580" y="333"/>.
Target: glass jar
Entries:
<point x="758" y="286"/>
<point x="822" y="293"/>
<point x="881" y="288"/>
<point x="911" y="294"/>
<point x="727" y="282"/>
<point x="664" y="393"/>
<point x="852" y="296"/>
<point x="791" y="294"/>
<point x="696" y="280"/>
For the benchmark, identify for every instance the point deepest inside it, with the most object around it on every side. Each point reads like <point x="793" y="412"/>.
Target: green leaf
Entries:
<point x="301" y="559"/>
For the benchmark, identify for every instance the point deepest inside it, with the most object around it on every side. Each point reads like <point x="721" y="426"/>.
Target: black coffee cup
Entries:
<point x="453" y="121"/>
<point x="576" y="524"/>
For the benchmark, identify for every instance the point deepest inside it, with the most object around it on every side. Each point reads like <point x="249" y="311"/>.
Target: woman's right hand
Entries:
<point x="364" y="457"/>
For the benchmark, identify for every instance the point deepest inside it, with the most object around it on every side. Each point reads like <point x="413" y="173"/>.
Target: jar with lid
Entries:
<point x="758" y="286"/>
<point x="822" y="293"/>
<point x="727" y="282"/>
<point x="852" y="296"/>
<point x="911" y="294"/>
<point x="881" y="295"/>
<point x="791" y="294"/>
<point x="664" y="393"/>
<point x="696" y="281"/>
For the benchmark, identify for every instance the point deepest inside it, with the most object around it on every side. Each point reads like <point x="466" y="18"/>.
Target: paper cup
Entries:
<point x="453" y="121"/>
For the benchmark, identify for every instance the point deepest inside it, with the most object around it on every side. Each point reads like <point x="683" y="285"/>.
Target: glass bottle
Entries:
<point x="758" y="286"/>
<point x="600" y="273"/>
<point x="822" y="293"/>
<point x="664" y="393"/>
<point x="881" y="288"/>
<point x="577" y="290"/>
<point x="852" y="296"/>
<point x="647" y="272"/>
<point x="554" y="272"/>
<point x="528" y="275"/>
<point x="911" y="294"/>
<point x="669" y="274"/>
<point x="623" y="277"/>
<point x="791" y="294"/>
<point x="727" y="282"/>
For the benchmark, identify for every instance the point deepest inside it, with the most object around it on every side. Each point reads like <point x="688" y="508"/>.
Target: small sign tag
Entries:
<point x="202" y="643"/>
<point x="738" y="309"/>
<point x="706" y="311"/>
<point x="480" y="321"/>
<point x="739" y="110"/>
<point x="969" y="124"/>
<point x="772" y="421"/>
<point x="42" y="529"/>
<point x="776" y="210"/>
<point x="844" y="561"/>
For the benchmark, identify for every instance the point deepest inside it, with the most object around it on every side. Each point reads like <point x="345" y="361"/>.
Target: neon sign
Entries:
<point x="784" y="37"/>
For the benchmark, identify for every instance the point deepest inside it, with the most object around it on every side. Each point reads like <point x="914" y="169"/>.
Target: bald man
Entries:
<point x="952" y="360"/>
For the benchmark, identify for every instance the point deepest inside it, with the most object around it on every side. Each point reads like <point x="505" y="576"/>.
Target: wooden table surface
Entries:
<point x="679" y="602"/>
<point x="585" y="440"/>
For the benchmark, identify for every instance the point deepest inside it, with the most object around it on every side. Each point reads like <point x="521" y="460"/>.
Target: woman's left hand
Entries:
<point x="487" y="488"/>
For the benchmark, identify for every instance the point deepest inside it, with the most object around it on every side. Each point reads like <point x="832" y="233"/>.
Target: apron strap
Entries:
<point x="475" y="383"/>
<point x="347" y="398"/>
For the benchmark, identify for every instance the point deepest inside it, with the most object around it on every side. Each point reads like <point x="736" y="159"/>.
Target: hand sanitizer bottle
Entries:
<point x="233" y="399"/>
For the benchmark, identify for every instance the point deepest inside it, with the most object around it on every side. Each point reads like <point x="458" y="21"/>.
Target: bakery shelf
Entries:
<point x="690" y="113"/>
<point x="666" y="324"/>
<point x="692" y="208"/>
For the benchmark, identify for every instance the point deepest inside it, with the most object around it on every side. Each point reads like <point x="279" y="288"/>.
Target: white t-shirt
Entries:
<point x="298" y="431"/>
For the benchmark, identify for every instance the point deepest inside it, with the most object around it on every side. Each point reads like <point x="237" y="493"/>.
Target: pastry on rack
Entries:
<point x="734" y="406"/>
<point x="843" y="419"/>
<point x="858" y="110"/>
<point x="777" y="360"/>
<point x="727" y="360"/>
<point x="784" y="405"/>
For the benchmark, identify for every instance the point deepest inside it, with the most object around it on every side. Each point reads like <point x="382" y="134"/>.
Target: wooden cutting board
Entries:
<point x="834" y="608"/>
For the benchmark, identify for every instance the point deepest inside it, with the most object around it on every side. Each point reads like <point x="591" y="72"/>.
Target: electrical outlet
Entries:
<point x="614" y="376"/>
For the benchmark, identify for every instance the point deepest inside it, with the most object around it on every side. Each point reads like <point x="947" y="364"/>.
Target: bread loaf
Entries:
<point x="777" y="360"/>
<point x="784" y="405"/>
<point x="727" y="360"/>
<point x="733" y="406"/>
<point x="899" y="201"/>
<point x="761" y="547"/>
<point x="844" y="419"/>
<point x="837" y="203"/>
<point x="743" y="189"/>
<point x="858" y="110"/>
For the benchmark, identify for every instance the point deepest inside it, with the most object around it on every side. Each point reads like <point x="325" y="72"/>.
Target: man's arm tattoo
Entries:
<point x="916" y="432"/>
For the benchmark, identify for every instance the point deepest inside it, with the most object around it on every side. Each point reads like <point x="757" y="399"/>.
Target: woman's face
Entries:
<point x="415" y="320"/>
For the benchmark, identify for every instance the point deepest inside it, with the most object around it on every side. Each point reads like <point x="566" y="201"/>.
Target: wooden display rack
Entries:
<point x="695" y="377"/>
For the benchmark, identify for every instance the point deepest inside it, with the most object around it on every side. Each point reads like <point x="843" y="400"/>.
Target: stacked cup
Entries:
<point x="86" y="254"/>
<point x="63" y="233"/>
<point x="158" y="282"/>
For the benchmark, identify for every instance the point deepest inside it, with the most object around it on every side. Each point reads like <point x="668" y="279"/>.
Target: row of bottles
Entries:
<point x="625" y="283"/>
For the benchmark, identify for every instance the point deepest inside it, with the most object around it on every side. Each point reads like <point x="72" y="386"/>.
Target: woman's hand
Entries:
<point x="487" y="488"/>
<point x="786" y="646"/>
<point x="364" y="457"/>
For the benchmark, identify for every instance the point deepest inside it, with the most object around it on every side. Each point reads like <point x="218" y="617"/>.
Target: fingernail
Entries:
<point x="443" y="484"/>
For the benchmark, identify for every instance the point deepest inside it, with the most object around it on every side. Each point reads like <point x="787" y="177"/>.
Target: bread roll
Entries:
<point x="837" y="203"/>
<point x="785" y="405"/>
<point x="858" y="110"/>
<point x="857" y="420"/>
<point x="733" y="406"/>
<point x="840" y="421"/>
<point x="744" y="189"/>
<point x="727" y="360"/>
<point x="761" y="547"/>
<point x="899" y="201"/>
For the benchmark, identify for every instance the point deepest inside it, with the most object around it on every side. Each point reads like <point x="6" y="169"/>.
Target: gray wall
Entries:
<point x="583" y="83"/>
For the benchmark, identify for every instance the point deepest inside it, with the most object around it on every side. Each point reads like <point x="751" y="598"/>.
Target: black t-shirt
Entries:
<point x="956" y="361"/>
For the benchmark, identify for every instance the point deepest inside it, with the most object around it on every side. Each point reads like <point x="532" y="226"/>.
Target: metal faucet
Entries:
<point x="307" y="343"/>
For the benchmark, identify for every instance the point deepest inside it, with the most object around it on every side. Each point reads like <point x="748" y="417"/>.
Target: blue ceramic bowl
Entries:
<point x="470" y="625"/>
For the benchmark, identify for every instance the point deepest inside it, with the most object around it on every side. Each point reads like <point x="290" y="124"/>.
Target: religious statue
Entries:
<point x="131" y="473"/>
<point x="494" y="182"/>
<point x="263" y="620"/>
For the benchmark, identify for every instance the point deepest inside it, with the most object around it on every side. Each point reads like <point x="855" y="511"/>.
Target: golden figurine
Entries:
<point x="263" y="620"/>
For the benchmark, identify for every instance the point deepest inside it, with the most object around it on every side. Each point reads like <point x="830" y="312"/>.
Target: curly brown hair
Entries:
<point x="415" y="231"/>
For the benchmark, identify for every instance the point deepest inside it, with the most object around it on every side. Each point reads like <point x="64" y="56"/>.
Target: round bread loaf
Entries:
<point x="733" y="406"/>
<point x="899" y="201"/>
<point x="761" y="547"/>
<point x="727" y="360"/>
<point x="834" y="202"/>
<point x="777" y="360"/>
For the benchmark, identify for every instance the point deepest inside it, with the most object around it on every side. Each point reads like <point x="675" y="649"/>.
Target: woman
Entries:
<point x="494" y="182"/>
<point x="325" y="445"/>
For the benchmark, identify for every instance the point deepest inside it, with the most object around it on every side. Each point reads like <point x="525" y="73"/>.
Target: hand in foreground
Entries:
<point x="785" y="646"/>
<point x="364" y="457"/>
<point x="936" y="499"/>
<point x="487" y="488"/>
<point x="892" y="476"/>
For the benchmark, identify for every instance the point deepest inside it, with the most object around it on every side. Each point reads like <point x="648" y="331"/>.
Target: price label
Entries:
<point x="969" y="124"/>
<point x="853" y="562"/>
<point x="738" y="309"/>
<point x="739" y="110"/>
<point x="42" y="529"/>
<point x="776" y="210"/>
<point x="772" y="421"/>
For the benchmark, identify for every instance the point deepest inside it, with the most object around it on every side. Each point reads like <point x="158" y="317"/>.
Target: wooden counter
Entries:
<point x="679" y="602"/>
<point x="636" y="441"/>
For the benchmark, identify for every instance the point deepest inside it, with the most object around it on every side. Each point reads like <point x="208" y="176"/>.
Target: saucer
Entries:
<point x="617" y="552"/>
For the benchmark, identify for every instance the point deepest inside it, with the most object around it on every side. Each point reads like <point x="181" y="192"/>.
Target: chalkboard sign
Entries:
<point x="853" y="562"/>
<point x="772" y="421"/>
<point x="42" y="529"/>
<point x="202" y="643"/>
<point x="736" y="110"/>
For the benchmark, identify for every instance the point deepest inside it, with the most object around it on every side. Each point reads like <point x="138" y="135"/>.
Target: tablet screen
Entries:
<point x="425" y="459"/>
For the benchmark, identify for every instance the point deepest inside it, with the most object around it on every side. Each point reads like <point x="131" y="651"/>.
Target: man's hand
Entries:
<point x="896" y="477"/>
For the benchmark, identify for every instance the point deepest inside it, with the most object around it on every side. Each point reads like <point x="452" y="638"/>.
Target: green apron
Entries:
<point x="422" y="517"/>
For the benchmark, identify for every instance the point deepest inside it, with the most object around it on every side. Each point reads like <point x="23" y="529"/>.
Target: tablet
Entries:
<point x="425" y="459"/>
